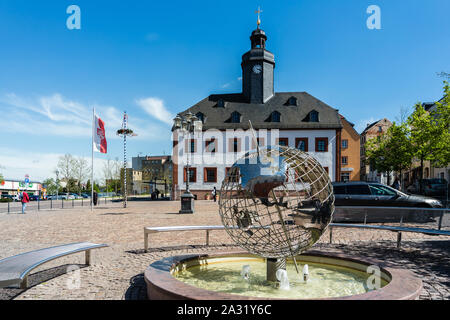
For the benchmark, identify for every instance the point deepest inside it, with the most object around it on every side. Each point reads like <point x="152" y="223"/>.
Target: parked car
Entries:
<point x="34" y="197"/>
<point x="55" y="197"/>
<point x="75" y="196"/>
<point x="430" y="187"/>
<point x="434" y="187"/>
<point x="85" y="195"/>
<point x="369" y="194"/>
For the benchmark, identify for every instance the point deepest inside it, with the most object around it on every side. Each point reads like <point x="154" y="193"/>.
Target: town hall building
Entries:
<point x="294" y="119"/>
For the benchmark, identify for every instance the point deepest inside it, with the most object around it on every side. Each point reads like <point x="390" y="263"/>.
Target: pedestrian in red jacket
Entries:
<point x="25" y="200"/>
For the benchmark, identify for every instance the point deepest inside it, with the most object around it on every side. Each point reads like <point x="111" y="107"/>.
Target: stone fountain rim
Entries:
<point x="161" y="285"/>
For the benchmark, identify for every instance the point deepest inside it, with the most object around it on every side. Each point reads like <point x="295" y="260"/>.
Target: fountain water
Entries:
<point x="305" y="273"/>
<point x="245" y="273"/>
<point x="282" y="277"/>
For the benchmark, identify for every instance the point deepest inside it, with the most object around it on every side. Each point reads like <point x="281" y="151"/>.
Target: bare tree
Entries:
<point x="66" y="168"/>
<point x="108" y="169"/>
<point x="81" y="171"/>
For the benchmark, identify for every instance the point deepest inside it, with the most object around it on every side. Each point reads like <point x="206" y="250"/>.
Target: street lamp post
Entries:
<point x="57" y="183"/>
<point x="188" y="124"/>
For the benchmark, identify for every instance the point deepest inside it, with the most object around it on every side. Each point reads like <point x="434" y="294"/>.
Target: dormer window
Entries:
<point x="292" y="101"/>
<point x="275" y="117"/>
<point x="313" y="116"/>
<point x="221" y="103"/>
<point x="200" y="116"/>
<point x="235" y="117"/>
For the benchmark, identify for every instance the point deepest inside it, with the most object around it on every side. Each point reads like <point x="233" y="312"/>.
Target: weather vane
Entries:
<point x="259" y="11"/>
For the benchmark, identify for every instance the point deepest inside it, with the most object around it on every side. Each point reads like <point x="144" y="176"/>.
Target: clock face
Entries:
<point x="257" y="68"/>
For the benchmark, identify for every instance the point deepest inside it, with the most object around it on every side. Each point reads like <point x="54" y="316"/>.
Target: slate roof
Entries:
<point x="292" y="117"/>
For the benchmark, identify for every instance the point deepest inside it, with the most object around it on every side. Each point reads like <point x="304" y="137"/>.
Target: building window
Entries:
<point x="380" y="128"/>
<point x="233" y="176"/>
<point x="344" y="160"/>
<point x="282" y="142"/>
<point x="301" y="144"/>
<point x="314" y="116"/>
<point x="235" y="117"/>
<point x="344" y="144"/>
<point x="235" y="145"/>
<point x="260" y="143"/>
<point x="292" y="101"/>
<point x="345" y="176"/>
<point x="210" y="175"/>
<point x="210" y="145"/>
<point x="191" y="145"/>
<point x="275" y="116"/>
<point x="192" y="174"/>
<point x="321" y="144"/>
<point x="221" y="103"/>
<point x="200" y="116"/>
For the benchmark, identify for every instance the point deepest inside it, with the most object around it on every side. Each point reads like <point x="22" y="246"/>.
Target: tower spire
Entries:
<point x="258" y="22"/>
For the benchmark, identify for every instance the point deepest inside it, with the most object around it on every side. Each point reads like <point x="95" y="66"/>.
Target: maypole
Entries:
<point x="125" y="132"/>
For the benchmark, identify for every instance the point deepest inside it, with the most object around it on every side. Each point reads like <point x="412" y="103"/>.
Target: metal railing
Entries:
<point x="16" y="207"/>
<point x="429" y="221"/>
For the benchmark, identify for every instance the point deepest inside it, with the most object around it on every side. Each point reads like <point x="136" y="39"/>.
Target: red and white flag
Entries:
<point x="100" y="144"/>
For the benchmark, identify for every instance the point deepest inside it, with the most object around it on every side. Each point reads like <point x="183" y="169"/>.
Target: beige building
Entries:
<point x="350" y="149"/>
<point x="373" y="130"/>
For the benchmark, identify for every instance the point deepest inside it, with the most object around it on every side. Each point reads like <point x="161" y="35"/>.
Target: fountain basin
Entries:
<point x="343" y="277"/>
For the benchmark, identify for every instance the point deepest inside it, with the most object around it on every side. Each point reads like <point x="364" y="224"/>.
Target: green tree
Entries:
<point x="430" y="133"/>
<point x="50" y="185"/>
<point x="88" y="186"/>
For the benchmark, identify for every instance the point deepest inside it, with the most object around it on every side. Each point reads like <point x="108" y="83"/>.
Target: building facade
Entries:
<point x="14" y="187"/>
<point x="373" y="131"/>
<point x="152" y="173"/>
<point x="294" y="119"/>
<point x="350" y="152"/>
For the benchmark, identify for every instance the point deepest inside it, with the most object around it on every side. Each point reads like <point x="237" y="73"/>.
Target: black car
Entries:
<point x="370" y="194"/>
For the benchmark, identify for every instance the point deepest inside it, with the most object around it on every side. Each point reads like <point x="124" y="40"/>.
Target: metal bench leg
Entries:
<point x="207" y="237"/>
<point x="399" y="239"/>
<point x="24" y="283"/>
<point x="331" y="235"/>
<point x="145" y="241"/>
<point x="88" y="257"/>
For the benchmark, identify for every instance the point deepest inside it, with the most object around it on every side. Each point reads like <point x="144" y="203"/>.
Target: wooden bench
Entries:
<point x="14" y="270"/>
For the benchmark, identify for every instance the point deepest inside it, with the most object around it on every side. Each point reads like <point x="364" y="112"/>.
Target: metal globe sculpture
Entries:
<point x="276" y="202"/>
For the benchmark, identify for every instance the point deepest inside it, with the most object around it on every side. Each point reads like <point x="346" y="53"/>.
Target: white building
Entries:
<point x="13" y="187"/>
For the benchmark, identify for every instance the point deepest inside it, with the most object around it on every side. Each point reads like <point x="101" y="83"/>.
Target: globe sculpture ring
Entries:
<point x="276" y="202"/>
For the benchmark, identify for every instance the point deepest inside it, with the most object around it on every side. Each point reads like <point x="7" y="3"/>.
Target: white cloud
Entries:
<point x="155" y="108"/>
<point x="55" y="115"/>
<point x="40" y="166"/>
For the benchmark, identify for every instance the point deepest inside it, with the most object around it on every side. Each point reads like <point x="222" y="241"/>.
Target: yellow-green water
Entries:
<point x="324" y="280"/>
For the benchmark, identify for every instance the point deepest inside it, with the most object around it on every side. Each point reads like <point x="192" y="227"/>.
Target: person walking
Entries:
<point x="396" y="184"/>
<point x="214" y="194"/>
<point x="95" y="200"/>
<point x="25" y="200"/>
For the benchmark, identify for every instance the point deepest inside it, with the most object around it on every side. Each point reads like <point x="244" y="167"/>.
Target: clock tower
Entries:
<point x="257" y="70"/>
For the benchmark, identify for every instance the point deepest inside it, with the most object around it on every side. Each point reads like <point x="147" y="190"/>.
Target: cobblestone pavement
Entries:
<point x="117" y="271"/>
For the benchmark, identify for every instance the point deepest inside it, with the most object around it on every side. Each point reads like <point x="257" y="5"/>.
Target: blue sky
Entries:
<point x="155" y="58"/>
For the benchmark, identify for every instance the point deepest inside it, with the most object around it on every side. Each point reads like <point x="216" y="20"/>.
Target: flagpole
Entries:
<point x="92" y="160"/>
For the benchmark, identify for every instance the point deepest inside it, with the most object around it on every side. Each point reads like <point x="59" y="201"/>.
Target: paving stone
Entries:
<point x="117" y="271"/>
